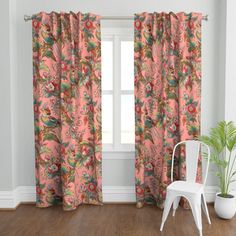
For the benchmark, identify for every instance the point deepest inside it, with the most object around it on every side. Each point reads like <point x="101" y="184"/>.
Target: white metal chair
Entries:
<point x="189" y="189"/>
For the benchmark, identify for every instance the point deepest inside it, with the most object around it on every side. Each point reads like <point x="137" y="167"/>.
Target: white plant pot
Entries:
<point x="225" y="207"/>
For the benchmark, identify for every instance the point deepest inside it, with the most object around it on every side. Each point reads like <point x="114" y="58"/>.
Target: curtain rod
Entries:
<point x="28" y="18"/>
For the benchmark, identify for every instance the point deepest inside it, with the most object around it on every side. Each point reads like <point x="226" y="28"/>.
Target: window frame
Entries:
<point x="117" y="35"/>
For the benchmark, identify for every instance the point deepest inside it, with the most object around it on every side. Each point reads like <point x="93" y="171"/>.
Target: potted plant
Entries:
<point x="222" y="140"/>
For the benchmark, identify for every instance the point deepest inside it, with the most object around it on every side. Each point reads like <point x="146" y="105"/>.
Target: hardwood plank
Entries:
<point x="107" y="220"/>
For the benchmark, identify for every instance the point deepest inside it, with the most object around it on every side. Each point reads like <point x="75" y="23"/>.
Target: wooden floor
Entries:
<point x="107" y="220"/>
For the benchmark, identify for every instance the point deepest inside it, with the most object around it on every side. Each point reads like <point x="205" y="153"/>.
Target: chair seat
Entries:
<point x="184" y="186"/>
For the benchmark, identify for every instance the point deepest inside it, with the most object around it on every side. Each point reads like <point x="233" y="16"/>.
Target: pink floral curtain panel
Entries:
<point x="167" y="97"/>
<point x="67" y="108"/>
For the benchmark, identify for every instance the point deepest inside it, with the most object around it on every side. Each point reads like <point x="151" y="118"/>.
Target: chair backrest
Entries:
<point x="192" y="151"/>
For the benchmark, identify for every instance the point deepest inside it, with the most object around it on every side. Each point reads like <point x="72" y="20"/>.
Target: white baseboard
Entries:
<point x="210" y="193"/>
<point x="11" y="199"/>
<point x="119" y="194"/>
<point x="127" y="193"/>
<point x="26" y="194"/>
<point x="7" y="199"/>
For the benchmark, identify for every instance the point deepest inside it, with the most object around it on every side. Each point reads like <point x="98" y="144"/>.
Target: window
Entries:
<point x="117" y="90"/>
<point x="107" y="92"/>
<point x="127" y="91"/>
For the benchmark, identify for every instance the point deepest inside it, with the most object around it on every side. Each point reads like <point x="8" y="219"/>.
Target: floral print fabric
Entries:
<point x="67" y="108"/>
<point x="167" y="97"/>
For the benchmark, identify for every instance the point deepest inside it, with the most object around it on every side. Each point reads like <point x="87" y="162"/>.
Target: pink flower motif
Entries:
<point x="50" y="87"/>
<point x="92" y="187"/>
<point x="137" y="24"/>
<point x="85" y="150"/>
<point x="36" y="24"/>
<point x="82" y="188"/>
<point x="52" y="191"/>
<point x="184" y="70"/>
<point x="91" y="108"/>
<point x="89" y="161"/>
<point x="149" y="87"/>
<point x="139" y="190"/>
<point x="53" y="168"/>
<point x="36" y="109"/>
<point x="85" y="69"/>
<point x="38" y="190"/>
<point x="88" y="24"/>
<point x="172" y="128"/>
<point x="63" y="66"/>
<point x="191" y="108"/>
<point x="138" y="109"/>
<point x="63" y="150"/>
<point x="191" y="24"/>
<point x="149" y="167"/>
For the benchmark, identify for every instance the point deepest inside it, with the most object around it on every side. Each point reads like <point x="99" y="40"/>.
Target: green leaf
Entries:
<point x="65" y="144"/>
<point x="71" y="162"/>
<point x="64" y="170"/>
<point x="192" y="46"/>
<point x="44" y="67"/>
<point x="72" y="178"/>
<point x="172" y="96"/>
<point x="148" y="54"/>
<point x="234" y="173"/>
<point x="91" y="46"/>
<point x="36" y="130"/>
<point x="78" y="156"/>
<point x="36" y="46"/>
<point x="42" y="186"/>
<point x="149" y="137"/>
<point x="45" y="149"/>
<point x="51" y="136"/>
<point x="231" y="136"/>
<point x="65" y="87"/>
<point x="49" y="54"/>
<point x="222" y="163"/>
<point x="221" y="138"/>
<point x="68" y="192"/>
<point x="218" y="174"/>
<point x="49" y="40"/>
<point x="138" y="46"/>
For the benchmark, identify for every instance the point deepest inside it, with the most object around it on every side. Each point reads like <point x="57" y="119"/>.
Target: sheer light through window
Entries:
<point x="118" y="126"/>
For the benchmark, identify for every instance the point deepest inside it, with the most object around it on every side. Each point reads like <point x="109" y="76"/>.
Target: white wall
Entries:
<point x="230" y="65"/>
<point x="115" y="172"/>
<point x="5" y="100"/>
<point x="230" y="79"/>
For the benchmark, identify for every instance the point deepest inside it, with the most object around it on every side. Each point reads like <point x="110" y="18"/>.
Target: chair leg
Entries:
<point x="196" y="209"/>
<point x="168" y="202"/>
<point x="205" y="209"/>
<point x="175" y="205"/>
